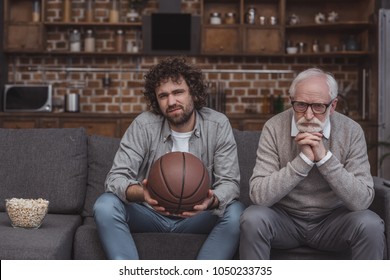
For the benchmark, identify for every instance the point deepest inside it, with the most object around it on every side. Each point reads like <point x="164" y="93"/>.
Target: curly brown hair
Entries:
<point x="174" y="69"/>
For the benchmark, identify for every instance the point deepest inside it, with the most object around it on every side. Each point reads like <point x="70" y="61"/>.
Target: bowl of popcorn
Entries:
<point x="26" y="213"/>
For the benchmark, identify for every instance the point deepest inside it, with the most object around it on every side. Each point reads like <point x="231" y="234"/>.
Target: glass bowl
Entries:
<point x="26" y="213"/>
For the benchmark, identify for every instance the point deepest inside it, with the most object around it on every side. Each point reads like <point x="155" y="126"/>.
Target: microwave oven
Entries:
<point x="27" y="98"/>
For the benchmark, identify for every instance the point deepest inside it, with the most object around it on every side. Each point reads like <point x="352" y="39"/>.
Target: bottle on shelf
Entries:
<point x="36" y="11"/>
<point x="250" y="16"/>
<point x="230" y="18"/>
<point x="316" y="46"/>
<point x="89" y="41"/>
<point x="215" y="18"/>
<point x="135" y="47"/>
<point x="352" y="44"/>
<point x="114" y="12"/>
<point x="89" y="11"/>
<point x="67" y="11"/>
<point x="75" y="41"/>
<point x="278" y="104"/>
<point x="119" y="41"/>
<point x="132" y="46"/>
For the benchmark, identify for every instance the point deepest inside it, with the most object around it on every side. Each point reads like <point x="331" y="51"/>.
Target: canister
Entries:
<point x="72" y="102"/>
<point x="250" y="16"/>
<point x="215" y="18"/>
<point x="75" y="41"/>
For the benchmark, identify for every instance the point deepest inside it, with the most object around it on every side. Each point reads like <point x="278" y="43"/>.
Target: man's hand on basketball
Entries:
<point x="206" y="204"/>
<point x="152" y="202"/>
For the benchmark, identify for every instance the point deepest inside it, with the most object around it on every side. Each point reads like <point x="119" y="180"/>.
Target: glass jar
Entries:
<point x="250" y="16"/>
<point x="132" y="16"/>
<point x="119" y="41"/>
<point x="75" y="41"/>
<point x="67" y="11"/>
<point x="215" y="18"/>
<point x="114" y="11"/>
<point x="352" y="44"/>
<point x="129" y="46"/>
<point x="89" y="11"/>
<point x="89" y="41"/>
<point x="315" y="46"/>
<point x="230" y="18"/>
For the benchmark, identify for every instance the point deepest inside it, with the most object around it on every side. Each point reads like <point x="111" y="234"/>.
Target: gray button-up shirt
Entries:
<point x="149" y="137"/>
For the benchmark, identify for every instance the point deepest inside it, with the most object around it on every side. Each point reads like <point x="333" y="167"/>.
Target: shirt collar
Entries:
<point x="295" y="131"/>
<point x="167" y="130"/>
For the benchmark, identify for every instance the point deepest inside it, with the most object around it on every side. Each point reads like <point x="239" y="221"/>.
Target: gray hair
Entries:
<point x="312" y="72"/>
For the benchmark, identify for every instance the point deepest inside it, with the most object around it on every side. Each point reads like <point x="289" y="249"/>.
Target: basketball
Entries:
<point x="178" y="181"/>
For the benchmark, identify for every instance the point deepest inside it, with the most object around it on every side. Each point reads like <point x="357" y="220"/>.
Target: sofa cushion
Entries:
<point x="52" y="241"/>
<point x="150" y="245"/>
<point x="307" y="253"/>
<point x="87" y="244"/>
<point x="101" y="153"/>
<point x="247" y="143"/>
<point x="46" y="163"/>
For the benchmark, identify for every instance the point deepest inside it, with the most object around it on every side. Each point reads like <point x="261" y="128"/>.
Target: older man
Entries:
<point x="311" y="184"/>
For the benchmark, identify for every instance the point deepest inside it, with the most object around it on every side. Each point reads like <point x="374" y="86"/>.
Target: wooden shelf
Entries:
<point x="258" y="40"/>
<point x="337" y="26"/>
<point x="93" y="24"/>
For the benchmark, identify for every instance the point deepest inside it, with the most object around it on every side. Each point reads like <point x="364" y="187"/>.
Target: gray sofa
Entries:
<point x="68" y="167"/>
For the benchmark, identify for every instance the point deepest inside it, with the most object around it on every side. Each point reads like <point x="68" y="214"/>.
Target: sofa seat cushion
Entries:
<point x="44" y="163"/>
<point x="150" y="245"/>
<point x="307" y="253"/>
<point x="53" y="240"/>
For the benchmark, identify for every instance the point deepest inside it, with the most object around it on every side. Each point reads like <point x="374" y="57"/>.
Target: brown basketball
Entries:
<point x="178" y="181"/>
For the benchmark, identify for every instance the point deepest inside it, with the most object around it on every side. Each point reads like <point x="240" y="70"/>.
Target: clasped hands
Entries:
<point x="312" y="145"/>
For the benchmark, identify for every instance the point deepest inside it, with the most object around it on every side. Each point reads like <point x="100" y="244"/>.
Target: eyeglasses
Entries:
<point x="317" y="108"/>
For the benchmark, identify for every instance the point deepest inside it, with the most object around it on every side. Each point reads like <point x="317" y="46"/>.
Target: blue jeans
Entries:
<point x="116" y="221"/>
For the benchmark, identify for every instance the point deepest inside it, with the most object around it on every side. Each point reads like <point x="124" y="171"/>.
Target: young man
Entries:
<point x="178" y="121"/>
<point x="311" y="184"/>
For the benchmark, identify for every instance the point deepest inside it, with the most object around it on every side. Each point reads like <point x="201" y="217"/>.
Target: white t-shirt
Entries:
<point x="180" y="141"/>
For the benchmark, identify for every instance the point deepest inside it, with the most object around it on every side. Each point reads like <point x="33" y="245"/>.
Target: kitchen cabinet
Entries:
<point x="18" y="123"/>
<point x="110" y="125"/>
<point x="51" y="33"/>
<point x="229" y="27"/>
<point x="256" y="29"/>
<point x="268" y="27"/>
<point x="22" y="31"/>
<point x="334" y="25"/>
<point x="98" y="126"/>
<point x="221" y="40"/>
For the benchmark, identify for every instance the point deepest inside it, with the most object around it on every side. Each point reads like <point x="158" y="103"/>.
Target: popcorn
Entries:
<point x="26" y="213"/>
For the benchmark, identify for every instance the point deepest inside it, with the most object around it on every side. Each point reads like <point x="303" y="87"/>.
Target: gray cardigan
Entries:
<point x="149" y="137"/>
<point x="282" y="177"/>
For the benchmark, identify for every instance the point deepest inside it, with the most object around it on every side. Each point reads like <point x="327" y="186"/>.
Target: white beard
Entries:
<point x="312" y="126"/>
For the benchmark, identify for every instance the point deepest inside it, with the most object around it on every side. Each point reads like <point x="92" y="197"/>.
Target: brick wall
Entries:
<point x="245" y="92"/>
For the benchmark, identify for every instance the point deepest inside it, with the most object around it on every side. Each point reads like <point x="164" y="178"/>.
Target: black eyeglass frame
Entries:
<point x="311" y="104"/>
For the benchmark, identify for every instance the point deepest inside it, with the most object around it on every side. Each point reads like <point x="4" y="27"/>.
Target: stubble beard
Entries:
<point x="181" y="119"/>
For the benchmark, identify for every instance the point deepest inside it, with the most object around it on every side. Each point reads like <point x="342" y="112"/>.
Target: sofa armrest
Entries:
<point x="381" y="206"/>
